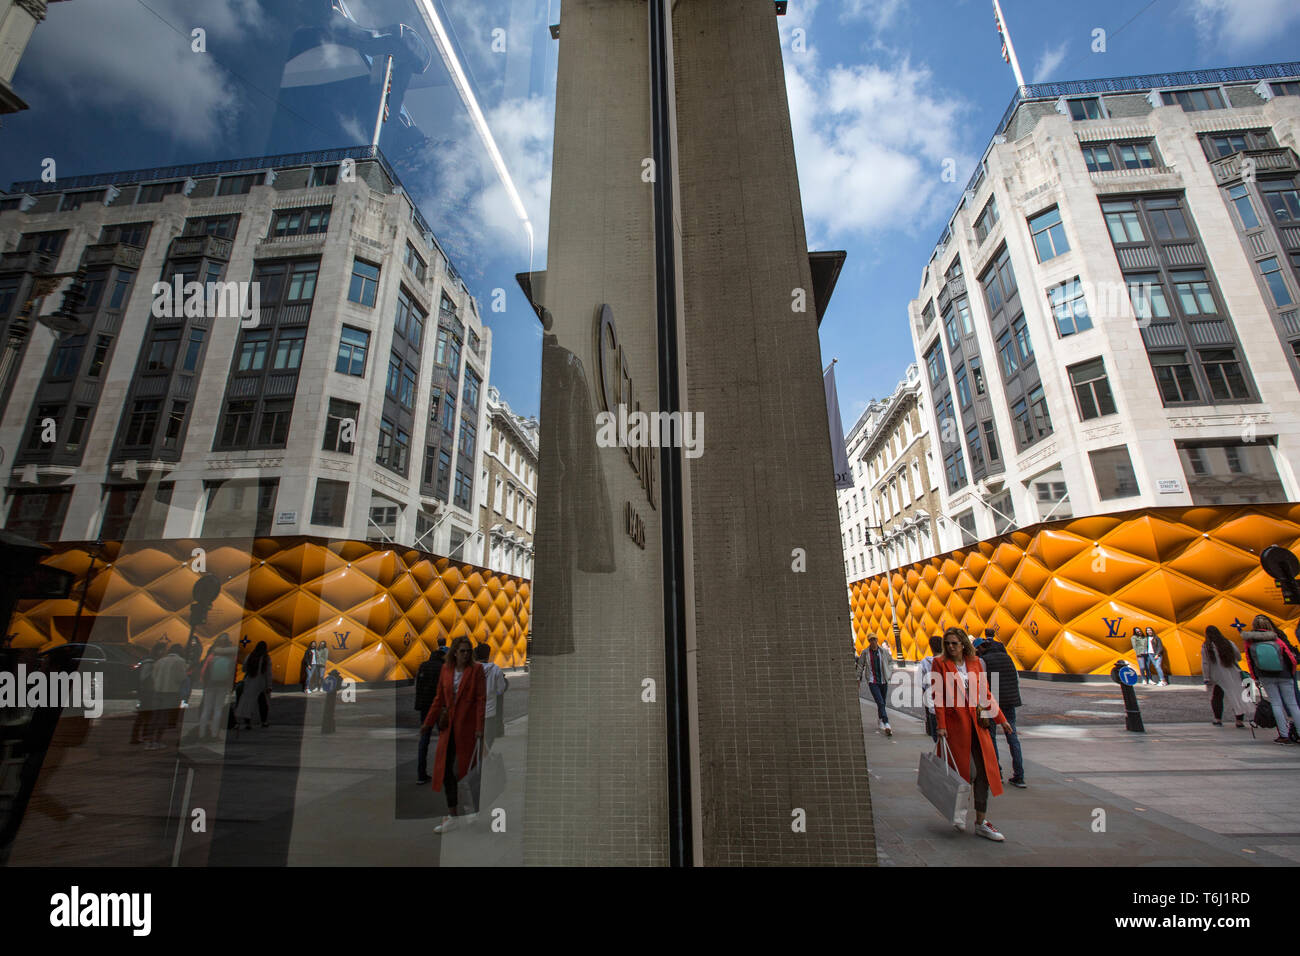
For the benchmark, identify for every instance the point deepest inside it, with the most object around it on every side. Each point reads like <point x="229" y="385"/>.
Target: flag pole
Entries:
<point x="383" y="103"/>
<point x="1006" y="38"/>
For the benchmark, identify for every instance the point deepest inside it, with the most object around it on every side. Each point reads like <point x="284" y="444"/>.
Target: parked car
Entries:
<point x="117" y="663"/>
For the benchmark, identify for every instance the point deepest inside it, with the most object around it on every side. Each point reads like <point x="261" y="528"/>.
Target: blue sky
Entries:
<point x="882" y="92"/>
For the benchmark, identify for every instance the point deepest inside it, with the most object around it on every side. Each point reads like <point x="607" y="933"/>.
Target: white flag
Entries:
<point x="839" y="457"/>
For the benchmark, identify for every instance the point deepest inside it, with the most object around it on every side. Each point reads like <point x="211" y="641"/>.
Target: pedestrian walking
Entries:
<point x="1140" y="646"/>
<point x="458" y="711"/>
<point x="966" y="710"/>
<point x="168" y="679"/>
<point x="924" y="678"/>
<point x="1005" y="680"/>
<point x="877" y="667"/>
<point x="1273" y="666"/>
<point x="1221" y="675"/>
<point x="193" y="658"/>
<point x="426" y="687"/>
<point x="1159" y="656"/>
<point x="330" y="685"/>
<point x="256" y="698"/>
<point x="495" y="687"/>
<point x="216" y="674"/>
<point x="304" y="669"/>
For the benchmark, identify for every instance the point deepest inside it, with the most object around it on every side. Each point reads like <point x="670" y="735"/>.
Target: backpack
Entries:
<point x="1266" y="658"/>
<point x="221" y="668"/>
<point x="1264" y="715"/>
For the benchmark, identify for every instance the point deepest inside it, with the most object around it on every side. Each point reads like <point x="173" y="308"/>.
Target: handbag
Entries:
<point x="945" y="788"/>
<point x="444" y="719"/>
<point x="468" y="787"/>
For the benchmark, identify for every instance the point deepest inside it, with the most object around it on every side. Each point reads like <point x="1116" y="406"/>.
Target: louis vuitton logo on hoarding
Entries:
<point x="341" y="639"/>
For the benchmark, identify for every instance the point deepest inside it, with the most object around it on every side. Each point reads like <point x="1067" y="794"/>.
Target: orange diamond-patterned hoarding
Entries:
<point x="1064" y="597"/>
<point x="380" y="610"/>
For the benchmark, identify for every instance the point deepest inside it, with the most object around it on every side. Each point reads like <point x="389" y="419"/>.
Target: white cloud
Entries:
<point x="1048" y="64"/>
<point x="871" y="144"/>
<point x="881" y="13"/>
<point x="92" y="53"/>
<point x="474" y="216"/>
<point x="1238" y="24"/>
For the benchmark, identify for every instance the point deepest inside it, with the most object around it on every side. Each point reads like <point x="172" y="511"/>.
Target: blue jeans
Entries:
<point x="1281" y="694"/>
<point x="1013" y="741"/>
<point x="1149" y="661"/>
<point x="878" y="692"/>
<point x="426" y="734"/>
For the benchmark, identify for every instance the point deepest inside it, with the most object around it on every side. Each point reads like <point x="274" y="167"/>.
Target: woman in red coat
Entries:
<point x="457" y="711"/>
<point x="962" y="694"/>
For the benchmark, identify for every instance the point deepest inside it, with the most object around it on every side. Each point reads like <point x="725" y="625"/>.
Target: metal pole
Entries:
<point x="383" y="102"/>
<point x="680" y="852"/>
<point x="1011" y="50"/>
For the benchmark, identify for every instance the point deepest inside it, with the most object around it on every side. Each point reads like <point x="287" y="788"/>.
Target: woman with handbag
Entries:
<point x="1222" y="677"/>
<point x="458" y="711"/>
<point x="965" y="710"/>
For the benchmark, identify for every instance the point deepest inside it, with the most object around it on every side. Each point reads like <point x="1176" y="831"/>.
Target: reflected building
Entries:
<point x="345" y="400"/>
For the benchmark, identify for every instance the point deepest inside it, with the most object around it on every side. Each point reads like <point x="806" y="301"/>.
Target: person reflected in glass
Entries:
<point x="965" y="711"/>
<point x="458" y="711"/>
<point x="256" y="698"/>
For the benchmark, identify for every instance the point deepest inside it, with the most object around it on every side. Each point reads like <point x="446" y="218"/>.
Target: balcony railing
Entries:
<point x="1261" y="160"/>
<point x="27" y="262"/>
<point x="208" y="247"/>
<point x="113" y="253"/>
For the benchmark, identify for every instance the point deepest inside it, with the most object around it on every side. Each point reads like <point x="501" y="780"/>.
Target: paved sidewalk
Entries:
<point x="1180" y="795"/>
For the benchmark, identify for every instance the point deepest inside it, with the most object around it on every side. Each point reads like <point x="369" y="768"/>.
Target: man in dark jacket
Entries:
<point x="426" y="687"/>
<point x="1002" y="669"/>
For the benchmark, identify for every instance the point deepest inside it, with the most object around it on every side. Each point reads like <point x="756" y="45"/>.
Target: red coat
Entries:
<point x="957" y="712"/>
<point x="467" y="706"/>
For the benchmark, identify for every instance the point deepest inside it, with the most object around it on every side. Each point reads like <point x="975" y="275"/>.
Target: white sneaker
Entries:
<point x="989" y="832"/>
<point x="469" y="818"/>
<point x="448" y="824"/>
<point x="889" y="731"/>
<point x="1164" y="683"/>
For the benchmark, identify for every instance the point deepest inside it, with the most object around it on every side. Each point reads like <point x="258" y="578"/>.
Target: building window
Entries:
<point x="987" y="219"/>
<point x="464" y="489"/>
<point x="414" y="262"/>
<point x="977" y="376"/>
<point x="963" y="388"/>
<point x="934" y="363"/>
<point x="1228" y="144"/>
<point x="974" y="449"/>
<point x="175" y="423"/>
<point x="467" y="438"/>
<point x="1272" y="273"/>
<point x="1174" y="377"/>
<point x="324" y="175"/>
<point x="223" y="226"/>
<point x="365" y="283"/>
<point x="337" y="431"/>
<point x="1049" y="234"/>
<point x="331" y="502"/>
<point x="143" y="422"/>
<point x="73" y="201"/>
<point x="1113" y="471"/>
<point x="1135" y="155"/>
<point x="1069" y="307"/>
<point x="301" y="222"/>
<point x="103" y="343"/>
<point x="156" y="192"/>
<point x="1038" y="408"/>
<point x="394" y="381"/>
<point x="1148" y="297"/>
<point x="302" y="283"/>
<point x="80" y="415"/>
<point x="447" y="352"/>
<point x="237" y="426"/>
<point x="1239" y="196"/>
<point x="407" y="397"/>
<point x="950" y="327"/>
<point x="448" y="413"/>
<point x="1193" y="101"/>
<point x="252" y="351"/>
<point x="1122" y="221"/>
<point x="470" y="395"/>
<point x="384" y="451"/>
<point x="1021" y="332"/>
<point x="288" y="349"/>
<point x="954" y="466"/>
<point x="1085" y="108"/>
<point x="1167" y="219"/>
<point x="990" y="439"/>
<point x="1092" y="392"/>
<point x="1050" y="492"/>
<point x="1231" y="473"/>
<point x="1007" y="352"/>
<point x="1285" y="88"/>
<point x="353" y="344"/>
<point x="193" y="350"/>
<point x="1097" y="159"/>
<point x="36" y="439"/>
<point x="444" y="475"/>
<point x="273" y="428"/>
<point x="1282" y="199"/>
<point x="239" y="185"/>
<point x="127" y="233"/>
<point x="1192" y="290"/>
<point x="1224" y="374"/>
<point x="67" y="357"/>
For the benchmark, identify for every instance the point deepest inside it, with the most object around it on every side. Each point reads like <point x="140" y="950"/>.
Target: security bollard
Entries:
<point x="1127" y="677"/>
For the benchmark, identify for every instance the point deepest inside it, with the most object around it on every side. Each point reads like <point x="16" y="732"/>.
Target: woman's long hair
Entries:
<point x="967" y="649"/>
<point x="257" y="661"/>
<point x="455" y="648"/>
<point x="1222" y="649"/>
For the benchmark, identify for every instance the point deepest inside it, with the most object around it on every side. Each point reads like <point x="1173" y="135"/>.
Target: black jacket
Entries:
<point x="998" y="661"/>
<point x="426" y="681"/>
